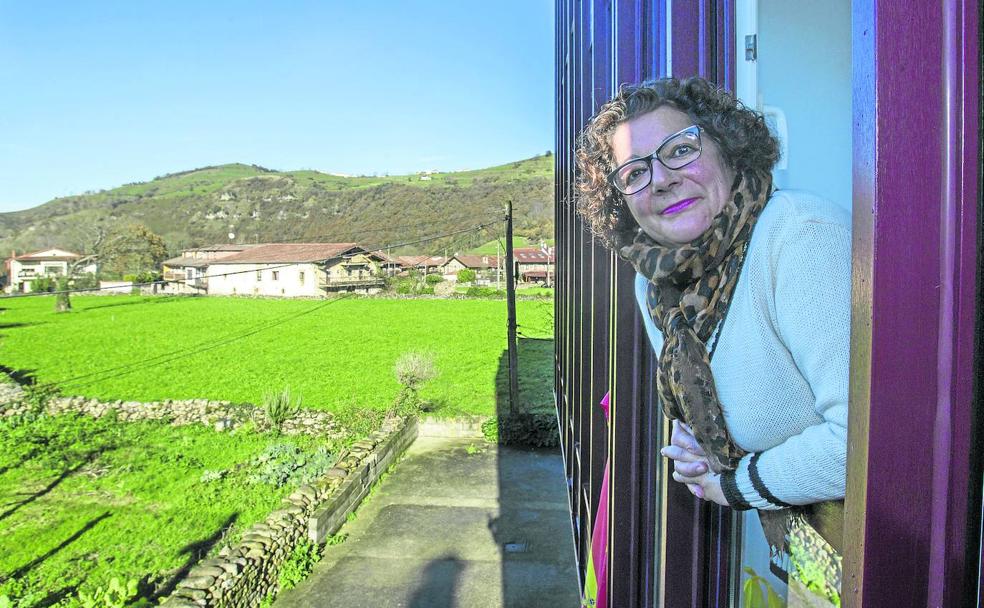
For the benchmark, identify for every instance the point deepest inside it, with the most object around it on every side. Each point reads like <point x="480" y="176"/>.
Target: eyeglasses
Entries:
<point x="676" y="152"/>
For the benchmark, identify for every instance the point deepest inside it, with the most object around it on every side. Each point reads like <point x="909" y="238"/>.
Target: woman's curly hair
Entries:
<point x="741" y="134"/>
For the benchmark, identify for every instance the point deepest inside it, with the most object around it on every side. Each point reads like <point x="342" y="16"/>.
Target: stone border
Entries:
<point x="221" y="415"/>
<point x="462" y="426"/>
<point x="245" y="573"/>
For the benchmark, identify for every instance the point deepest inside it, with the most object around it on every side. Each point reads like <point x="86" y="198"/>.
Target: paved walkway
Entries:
<point x="449" y="528"/>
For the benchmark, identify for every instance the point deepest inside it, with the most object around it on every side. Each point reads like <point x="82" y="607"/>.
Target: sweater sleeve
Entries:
<point x="812" y="287"/>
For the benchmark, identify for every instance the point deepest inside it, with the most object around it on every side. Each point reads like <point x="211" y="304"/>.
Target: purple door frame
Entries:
<point x="910" y="471"/>
<point x="914" y="476"/>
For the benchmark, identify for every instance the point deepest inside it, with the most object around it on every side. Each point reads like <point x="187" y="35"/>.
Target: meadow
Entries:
<point x="87" y="500"/>
<point x="336" y="353"/>
<point x="83" y="501"/>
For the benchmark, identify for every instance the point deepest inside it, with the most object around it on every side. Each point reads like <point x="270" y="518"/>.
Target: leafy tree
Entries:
<point x="466" y="275"/>
<point x="132" y="248"/>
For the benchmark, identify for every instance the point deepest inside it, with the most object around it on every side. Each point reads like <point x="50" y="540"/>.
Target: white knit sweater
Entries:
<point x="781" y="364"/>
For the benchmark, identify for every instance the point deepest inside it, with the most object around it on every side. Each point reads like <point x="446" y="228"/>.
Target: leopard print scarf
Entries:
<point x="690" y="287"/>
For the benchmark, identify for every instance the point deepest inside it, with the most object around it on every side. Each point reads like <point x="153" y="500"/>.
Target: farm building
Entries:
<point x="187" y="271"/>
<point x="276" y="269"/>
<point x="534" y="265"/>
<point x="426" y="264"/>
<point x="54" y="262"/>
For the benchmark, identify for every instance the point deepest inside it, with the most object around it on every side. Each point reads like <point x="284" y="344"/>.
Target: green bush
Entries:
<point x="299" y="564"/>
<point x="434" y="279"/>
<point x="113" y="596"/>
<point x="412" y="371"/>
<point x="44" y="284"/>
<point x="485" y="292"/>
<point x="466" y="275"/>
<point x="281" y="407"/>
<point x="406" y="287"/>
<point x="531" y="430"/>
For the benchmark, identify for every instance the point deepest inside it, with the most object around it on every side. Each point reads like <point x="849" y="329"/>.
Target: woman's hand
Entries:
<point x="690" y="465"/>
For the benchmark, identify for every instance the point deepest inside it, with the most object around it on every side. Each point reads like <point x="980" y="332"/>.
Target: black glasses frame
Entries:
<point x="648" y="159"/>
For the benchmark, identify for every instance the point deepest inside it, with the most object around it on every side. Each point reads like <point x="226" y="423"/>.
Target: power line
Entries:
<point x="182" y="353"/>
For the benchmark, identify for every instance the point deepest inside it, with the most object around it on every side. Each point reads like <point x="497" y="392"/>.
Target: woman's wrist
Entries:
<point x="729" y="487"/>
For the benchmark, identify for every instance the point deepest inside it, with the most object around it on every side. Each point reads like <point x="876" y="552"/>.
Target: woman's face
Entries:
<point x="680" y="204"/>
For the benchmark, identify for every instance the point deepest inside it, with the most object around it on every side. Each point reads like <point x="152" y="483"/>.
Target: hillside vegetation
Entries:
<point x="202" y="206"/>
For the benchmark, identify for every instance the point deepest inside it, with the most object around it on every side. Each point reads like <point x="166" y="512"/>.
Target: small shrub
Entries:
<point x="281" y="407"/>
<point x="336" y="539"/>
<point x="466" y="275"/>
<point x="531" y="430"/>
<point x="490" y="430"/>
<point x="284" y="463"/>
<point x="405" y="287"/>
<point x="357" y="420"/>
<point x="116" y="595"/>
<point x="299" y="564"/>
<point x="43" y="285"/>
<point x="412" y="371"/>
<point x="434" y="279"/>
<point x="485" y="292"/>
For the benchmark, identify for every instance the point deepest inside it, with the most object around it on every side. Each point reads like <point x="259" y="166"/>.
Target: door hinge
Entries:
<point x="751" y="47"/>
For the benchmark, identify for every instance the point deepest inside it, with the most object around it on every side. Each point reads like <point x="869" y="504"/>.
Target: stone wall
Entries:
<point x="222" y="415"/>
<point x="242" y="575"/>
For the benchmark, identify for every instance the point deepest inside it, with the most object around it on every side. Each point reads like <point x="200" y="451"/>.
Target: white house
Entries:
<point x="295" y="270"/>
<point x="54" y="262"/>
<point x="186" y="273"/>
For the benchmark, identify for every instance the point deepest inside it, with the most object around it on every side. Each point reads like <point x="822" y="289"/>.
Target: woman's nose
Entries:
<point x="663" y="179"/>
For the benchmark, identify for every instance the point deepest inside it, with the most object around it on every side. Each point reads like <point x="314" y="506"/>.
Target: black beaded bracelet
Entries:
<point x="731" y="492"/>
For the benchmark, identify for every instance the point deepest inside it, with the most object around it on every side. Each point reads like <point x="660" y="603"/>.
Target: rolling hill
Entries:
<point x="256" y="204"/>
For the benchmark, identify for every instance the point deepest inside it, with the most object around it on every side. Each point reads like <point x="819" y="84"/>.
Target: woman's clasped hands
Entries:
<point x="690" y="465"/>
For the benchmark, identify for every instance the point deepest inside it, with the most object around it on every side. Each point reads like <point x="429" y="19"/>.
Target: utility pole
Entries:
<point x="511" y="312"/>
<point x="498" y="260"/>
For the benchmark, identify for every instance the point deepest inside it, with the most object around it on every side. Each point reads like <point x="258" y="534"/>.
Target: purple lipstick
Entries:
<point x="680" y="206"/>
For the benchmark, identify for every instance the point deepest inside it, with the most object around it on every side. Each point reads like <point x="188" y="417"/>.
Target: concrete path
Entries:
<point x="449" y="528"/>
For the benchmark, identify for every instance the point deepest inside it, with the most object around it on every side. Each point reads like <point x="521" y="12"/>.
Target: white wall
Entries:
<point x="288" y="283"/>
<point x="804" y="68"/>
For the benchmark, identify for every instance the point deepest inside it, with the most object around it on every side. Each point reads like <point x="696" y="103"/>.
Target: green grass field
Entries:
<point x="334" y="353"/>
<point x="84" y="500"/>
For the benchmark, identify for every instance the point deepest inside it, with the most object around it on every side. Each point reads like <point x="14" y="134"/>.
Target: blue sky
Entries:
<point x="98" y="94"/>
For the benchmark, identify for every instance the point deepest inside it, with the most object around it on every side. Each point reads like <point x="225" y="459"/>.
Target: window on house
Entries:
<point x="259" y="276"/>
<point x="276" y="275"/>
<point x="300" y="275"/>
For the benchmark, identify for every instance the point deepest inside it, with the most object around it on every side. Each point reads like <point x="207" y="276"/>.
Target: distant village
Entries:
<point x="282" y="270"/>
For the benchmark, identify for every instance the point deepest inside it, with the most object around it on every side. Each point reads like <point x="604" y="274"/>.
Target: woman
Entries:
<point x="745" y="292"/>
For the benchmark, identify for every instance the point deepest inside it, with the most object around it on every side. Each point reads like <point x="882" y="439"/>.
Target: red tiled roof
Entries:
<point x="422" y="260"/>
<point x="36" y="257"/>
<point x="532" y="255"/>
<point x="186" y="262"/>
<point x="279" y="253"/>
<point x="477" y="261"/>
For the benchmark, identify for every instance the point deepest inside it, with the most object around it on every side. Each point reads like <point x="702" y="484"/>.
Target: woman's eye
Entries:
<point x="635" y="174"/>
<point x="681" y="150"/>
